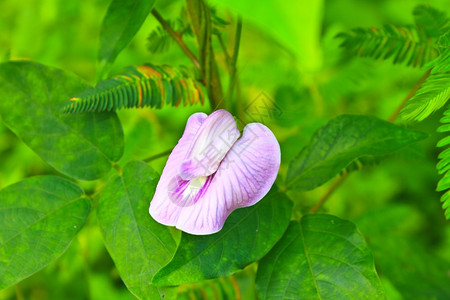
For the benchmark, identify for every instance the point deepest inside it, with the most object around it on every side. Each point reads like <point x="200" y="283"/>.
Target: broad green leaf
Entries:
<point x="121" y="22"/>
<point x="248" y="234"/>
<point x="341" y="141"/>
<point x="320" y="257"/>
<point x="39" y="217"/>
<point x="138" y="244"/>
<point x="82" y="146"/>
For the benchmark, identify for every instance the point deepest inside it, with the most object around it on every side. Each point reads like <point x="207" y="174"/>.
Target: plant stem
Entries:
<point x="409" y="96"/>
<point x="233" y="61"/>
<point x="19" y="294"/>
<point x="177" y="37"/>
<point x="225" y="51"/>
<point x="327" y="194"/>
<point x="156" y="156"/>
<point x="390" y="119"/>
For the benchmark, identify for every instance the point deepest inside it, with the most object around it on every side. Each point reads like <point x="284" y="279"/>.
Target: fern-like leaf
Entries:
<point x="432" y="22"/>
<point x="443" y="165"/>
<point x="160" y="40"/>
<point x="435" y="91"/>
<point x="431" y="96"/>
<point x="141" y="86"/>
<point x="441" y="64"/>
<point x="403" y="44"/>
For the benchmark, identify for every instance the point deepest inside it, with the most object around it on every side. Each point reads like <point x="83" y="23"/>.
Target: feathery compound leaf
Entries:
<point x="141" y="86"/>
<point x="432" y="95"/>
<point x="443" y="165"/>
<point x="404" y="44"/>
<point x="160" y="40"/>
<point x="435" y="91"/>
<point x="442" y="62"/>
<point x="432" y="22"/>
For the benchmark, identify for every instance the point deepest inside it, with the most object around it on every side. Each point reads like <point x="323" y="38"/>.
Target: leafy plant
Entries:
<point x="419" y="44"/>
<point x="81" y="172"/>
<point x="403" y="44"/>
<point x="337" y="144"/>
<point x="411" y="45"/>
<point x="159" y="40"/>
<point x="142" y="86"/>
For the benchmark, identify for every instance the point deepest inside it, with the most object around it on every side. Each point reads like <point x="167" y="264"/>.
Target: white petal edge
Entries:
<point x="161" y="208"/>
<point x="212" y="142"/>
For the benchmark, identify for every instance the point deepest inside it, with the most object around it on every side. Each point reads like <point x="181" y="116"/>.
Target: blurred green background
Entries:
<point x="308" y="77"/>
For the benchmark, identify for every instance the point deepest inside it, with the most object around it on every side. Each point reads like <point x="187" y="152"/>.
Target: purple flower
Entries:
<point x="211" y="172"/>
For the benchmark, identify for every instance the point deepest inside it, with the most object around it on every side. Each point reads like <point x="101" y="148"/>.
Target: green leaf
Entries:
<point x="121" y="22"/>
<point x="344" y="139"/>
<point x="435" y="91"/>
<point x="431" y="96"/>
<point x="441" y="64"/>
<point x="431" y="21"/>
<point x="320" y="257"/>
<point x="443" y="165"/>
<point x="81" y="146"/>
<point x="199" y="15"/>
<point x="159" y="40"/>
<point x="141" y="86"/>
<point x="39" y="217"/>
<point x="403" y="44"/>
<point x="138" y="244"/>
<point x="248" y="234"/>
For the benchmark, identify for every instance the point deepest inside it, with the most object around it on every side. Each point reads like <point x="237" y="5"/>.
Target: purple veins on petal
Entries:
<point x="211" y="172"/>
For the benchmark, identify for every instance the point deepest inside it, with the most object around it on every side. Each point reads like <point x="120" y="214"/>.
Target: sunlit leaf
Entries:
<point x="296" y="25"/>
<point x="81" y="146"/>
<point x="431" y="96"/>
<point x="443" y="165"/>
<point x="39" y="217"/>
<point x="138" y="244"/>
<point x="342" y="140"/>
<point x="320" y="257"/>
<point x="248" y="234"/>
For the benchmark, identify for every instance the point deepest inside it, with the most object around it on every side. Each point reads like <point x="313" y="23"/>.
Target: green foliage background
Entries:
<point x="394" y="203"/>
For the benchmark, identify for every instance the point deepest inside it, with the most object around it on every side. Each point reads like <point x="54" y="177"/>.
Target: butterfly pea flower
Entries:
<point x="212" y="171"/>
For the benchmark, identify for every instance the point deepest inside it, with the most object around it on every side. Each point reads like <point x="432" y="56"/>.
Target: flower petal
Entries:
<point x="243" y="178"/>
<point x="216" y="136"/>
<point x="161" y="208"/>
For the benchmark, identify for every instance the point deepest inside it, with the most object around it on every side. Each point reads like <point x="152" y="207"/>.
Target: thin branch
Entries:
<point x="409" y="96"/>
<point x="328" y="194"/>
<point x="390" y="119"/>
<point x="177" y="37"/>
<point x="156" y="156"/>
<point x="225" y="51"/>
